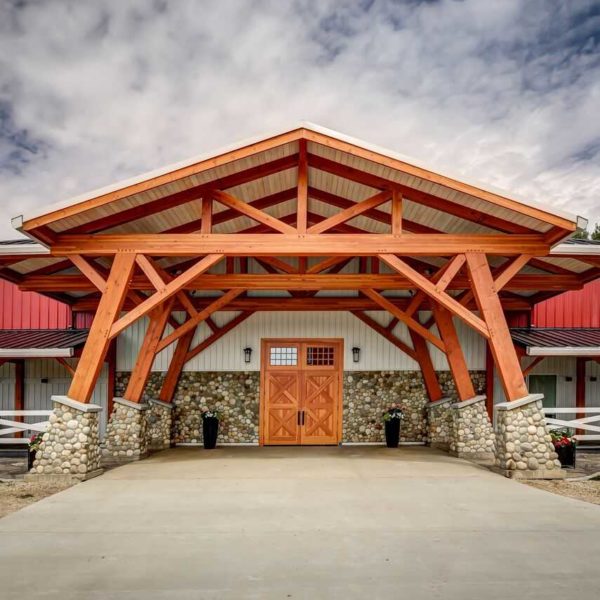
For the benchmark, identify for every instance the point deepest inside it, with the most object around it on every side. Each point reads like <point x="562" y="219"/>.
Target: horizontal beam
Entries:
<point x="193" y="244"/>
<point x="298" y="281"/>
<point x="319" y="303"/>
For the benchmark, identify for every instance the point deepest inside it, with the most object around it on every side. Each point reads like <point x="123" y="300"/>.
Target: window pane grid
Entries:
<point x="280" y="356"/>
<point x="320" y="356"/>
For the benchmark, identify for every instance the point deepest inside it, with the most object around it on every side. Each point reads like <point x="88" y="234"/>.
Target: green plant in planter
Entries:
<point x="395" y="411"/>
<point x="35" y="442"/>
<point x="210" y="412"/>
<point x="565" y="446"/>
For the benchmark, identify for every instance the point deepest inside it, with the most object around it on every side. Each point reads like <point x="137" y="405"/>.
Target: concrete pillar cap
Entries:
<point x="469" y="402"/>
<point x="518" y="403"/>
<point x="438" y="402"/>
<point x="162" y="403"/>
<point x="130" y="404"/>
<point x="75" y="404"/>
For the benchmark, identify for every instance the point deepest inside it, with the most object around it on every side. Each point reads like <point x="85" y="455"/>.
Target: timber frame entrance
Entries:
<point x="282" y="223"/>
<point x="301" y="391"/>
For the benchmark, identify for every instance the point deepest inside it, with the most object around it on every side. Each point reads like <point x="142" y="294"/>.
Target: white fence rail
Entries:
<point x="9" y="426"/>
<point x="586" y="423"/>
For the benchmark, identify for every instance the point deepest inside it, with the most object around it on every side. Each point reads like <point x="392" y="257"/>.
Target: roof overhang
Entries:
<point x="563" y="351"/>
<point x="36" y="352"/>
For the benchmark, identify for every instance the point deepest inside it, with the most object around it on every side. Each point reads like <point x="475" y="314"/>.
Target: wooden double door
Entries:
<point x="301" y="391"/>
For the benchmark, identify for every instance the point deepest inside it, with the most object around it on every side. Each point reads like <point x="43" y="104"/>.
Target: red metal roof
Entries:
<point x="42" y="338"/>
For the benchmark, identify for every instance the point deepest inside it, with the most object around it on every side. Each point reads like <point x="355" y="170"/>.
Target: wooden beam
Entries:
<point x="318" y="303"/>
<point x="207" y="207"/>
<point x="293" y="245"/>
<point x="489" y="380"/>
<point x="423" y="357"/>
<point x="216" y="335"/>
<point x="63" y="362"/>
<point x="384" y="332"/>
<point x="374" y="213"/>
<point x="176" y="365"/>
<point x="430" y="176"/>
<point x="532" y="365"/>
<point x="163" y="294"/>
<point x="349" y="213"/>
<point x="98" y="340"/>
<point x="396" y="212"/>
<point x="454" y="353"/>
<point x="250" y="211"/>
<point x="402" y="316"/>
<point x="436" y="294"/>
<point x="146" y="355"/>
<point x="111" y="359"/>
<point x="19" y="403"/>
<point x="90" y="272"/>
<point x="302" y="206"/>
<point x="194" y="321"/>
<point x="501" y="344"/>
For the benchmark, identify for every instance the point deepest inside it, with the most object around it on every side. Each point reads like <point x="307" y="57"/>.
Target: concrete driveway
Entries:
<point x="354" y="522"/>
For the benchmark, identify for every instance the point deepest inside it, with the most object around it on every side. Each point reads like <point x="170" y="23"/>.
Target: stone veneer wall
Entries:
<point x="366" y="395"/>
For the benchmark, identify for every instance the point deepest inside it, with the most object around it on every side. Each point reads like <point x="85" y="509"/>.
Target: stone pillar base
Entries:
<point x="70" y="447"/>
<point x="472" y="436"/>
<point x="439" y="423"/>
<point x="126" y="438"/>
<point x="524" y="446"/>
<point x="159" y="419"/>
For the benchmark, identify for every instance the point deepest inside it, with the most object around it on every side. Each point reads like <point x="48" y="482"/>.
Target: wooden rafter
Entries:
<point x="423" y="357"/>
<point x="402" y="316"/>
<point x="163" y="293"/>
<point x="357" y="209"/>
<point x="438" y="296"/>
<point x="194" y="321"/>
<point x="384" y="332"/>
<point x="250" y="211"/>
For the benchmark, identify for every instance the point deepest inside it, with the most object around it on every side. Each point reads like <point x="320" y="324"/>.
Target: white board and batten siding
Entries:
<point x="38" y="391"/>
<point x="377" y="354"/>
<point x="564" y="367"/>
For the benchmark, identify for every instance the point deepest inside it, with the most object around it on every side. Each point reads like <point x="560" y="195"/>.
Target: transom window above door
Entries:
<point x="320" y="356"/>
<point x="283" y="356"/>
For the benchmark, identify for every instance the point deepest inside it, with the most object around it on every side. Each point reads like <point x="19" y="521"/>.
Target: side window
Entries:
<point x="319" y="356"/>
<point x="282" y="356"/>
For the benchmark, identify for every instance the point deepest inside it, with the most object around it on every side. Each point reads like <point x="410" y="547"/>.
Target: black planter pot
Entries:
<point x="210" y="429"/>
<point x="30" y="459"/>
<point x="392" y="433"/>
<point x="566" y="455"/>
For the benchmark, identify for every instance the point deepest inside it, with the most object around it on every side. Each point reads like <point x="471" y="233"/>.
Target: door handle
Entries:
<point x="302" y="417"/>
<point x="299" y="417"/>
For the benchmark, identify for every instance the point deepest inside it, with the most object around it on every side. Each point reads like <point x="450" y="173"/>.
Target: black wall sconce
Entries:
<point x="247" y="354"/>
<point x="355" y="354"/>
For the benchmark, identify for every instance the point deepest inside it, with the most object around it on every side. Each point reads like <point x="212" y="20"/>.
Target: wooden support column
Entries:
<point x="111" y="359"/>
<point x="489" y="381"/>
<point x="454" y="353"/>
<point x="19" y="390"/>
<point x="176" y="366"/>
<point x="147" y="353"/>
<point x="503" y="351"/>
<point x="432" y="385"/>
<point x="96" y="346"/>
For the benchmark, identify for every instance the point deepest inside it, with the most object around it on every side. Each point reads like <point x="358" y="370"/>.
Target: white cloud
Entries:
<point x="502" y="92"/>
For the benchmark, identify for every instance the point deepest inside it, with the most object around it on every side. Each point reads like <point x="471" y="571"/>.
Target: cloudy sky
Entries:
<point x="506" y="92"/>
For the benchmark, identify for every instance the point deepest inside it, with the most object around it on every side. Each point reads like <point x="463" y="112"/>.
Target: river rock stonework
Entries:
<point x="525" y="449"/>
<point x="70" y="446"/>
<point x="158" y="423"/>
<point x="366" y="395"/>
<point x="472" y="436"/>
<point x="126" y="436"/>
<point x="439" y="423"/>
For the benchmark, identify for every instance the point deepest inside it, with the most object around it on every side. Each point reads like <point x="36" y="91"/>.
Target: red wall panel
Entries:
<point x="579" y="308"/>
<point x="28" y="310"/>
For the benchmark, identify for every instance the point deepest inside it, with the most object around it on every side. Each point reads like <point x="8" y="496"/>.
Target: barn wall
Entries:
<point x="578" y="308"/>
<point x="226" y="354"/>
<point x="38" y="393"/>
<point x="28" y="310"/>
